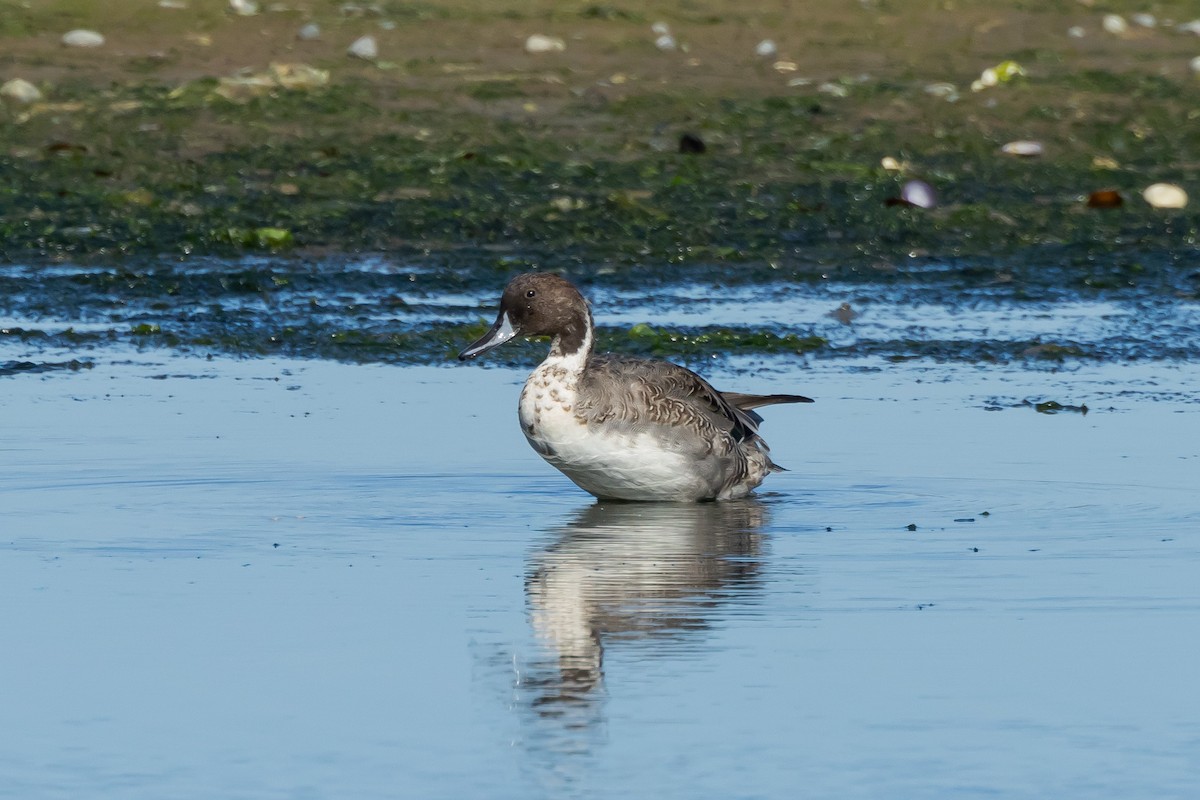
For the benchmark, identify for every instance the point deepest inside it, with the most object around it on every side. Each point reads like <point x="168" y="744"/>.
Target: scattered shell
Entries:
<point x="82" y="38"/>
<point x="279" y="76"/>
<point x="947" y="91"/>
<point x="1023" y="147"/>
<point x="20" y="91"/>
<point x="784" y="66"/>
<point x="309" y="32"/>
<point x="1076" y="32"/>
<point x="765" y="49"/>
<point x="1115" y="24"/>
<point x="919" y="193"/>
<point x="364" y="47"/>
<point x="799" y="81"/>
<point x="891" y="164"/>
<point x="243" y="8"/>
<point x="540" y="43"/>
<point x="1003" y="72"/>
<point x="1105" y="198"/>
<point x="1195" y="65"/>
<point x="1165" y="195"/>
<point x="660" y="29"/>
<point x="665" y="42"/>
<point x="834" y="89"/>
<point x="1145" y="20"/>
<point x="1189" y="27"/>
<point x="1105" y="162"/>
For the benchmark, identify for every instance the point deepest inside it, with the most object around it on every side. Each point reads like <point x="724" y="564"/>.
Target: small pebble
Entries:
<point x="919" y="193"/>
<point x="540" y="43"/>
<point x="364" y="47"/>
<point x="1189" y="27"/>
<point x="1115" y="24"/>
<point x="309" y="32"/>
<point x="82" y="38"/>
<point x="660" y="29"/>
<point x="1195" y="64"/>
<point x="765" y="49"/>
<point x="1105" y="198"/>
<point x="1076" y="32"/>
<point x="1165" y="195"/>
<point x="691" y="144"/>
<point x="1023" y="148"/>
<point x="20" y="91"/>
<point x="891" y="164"/>
<point x="1145" y="20"/>
<point x="243" y="8"/>
<point x="666" y="42"/>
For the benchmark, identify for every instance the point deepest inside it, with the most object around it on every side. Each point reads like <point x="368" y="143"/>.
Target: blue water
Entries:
<point x="301" y="579"/>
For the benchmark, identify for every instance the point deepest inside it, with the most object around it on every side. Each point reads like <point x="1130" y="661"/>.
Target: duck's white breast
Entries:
<point x="607" y="461"/>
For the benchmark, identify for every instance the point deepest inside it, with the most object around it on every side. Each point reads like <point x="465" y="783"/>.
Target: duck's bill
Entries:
<point x="500" y="333"/>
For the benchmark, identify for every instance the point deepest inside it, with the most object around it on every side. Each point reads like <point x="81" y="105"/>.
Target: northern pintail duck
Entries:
<point x="622" y="427"/>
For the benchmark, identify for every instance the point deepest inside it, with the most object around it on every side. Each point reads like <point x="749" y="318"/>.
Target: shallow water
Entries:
<point x="278" y="578"/>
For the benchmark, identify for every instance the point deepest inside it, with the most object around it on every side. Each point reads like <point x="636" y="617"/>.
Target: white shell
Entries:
<point x="540" y="43"/>
<point x="1165" y="195"/>
<point x="309" y="32"/>
<point x="665" y="42"/>
<point x="765" y="49"/>
<point x="1076" y="32"/>
<point x="244" y="8"/>
<point x="82" y="38"/>
<point x="364" y="47"/>
<point x="1115" y="24"/>
<point x="1195" y="64"/>
<point x="891" y="164"/>
<point x="1145" y="20"/>
<point x="20" y="91"/>
<point x="660" y="29"/>
<point x="919" y="193"/>
<point x="1023" y="147"/>
<point x="1189" y="27"/>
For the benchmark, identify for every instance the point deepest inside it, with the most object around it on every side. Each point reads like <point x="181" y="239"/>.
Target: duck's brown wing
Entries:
<point x="640" y="391"/>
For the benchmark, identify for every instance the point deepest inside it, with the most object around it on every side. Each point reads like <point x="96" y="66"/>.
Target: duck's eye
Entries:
<point x="530" y="293"/>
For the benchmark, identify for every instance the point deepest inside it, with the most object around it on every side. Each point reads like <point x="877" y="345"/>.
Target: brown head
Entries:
<point x="538" y="304"/>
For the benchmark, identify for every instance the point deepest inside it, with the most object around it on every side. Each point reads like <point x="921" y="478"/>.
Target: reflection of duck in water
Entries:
<point x="635" y="571"/>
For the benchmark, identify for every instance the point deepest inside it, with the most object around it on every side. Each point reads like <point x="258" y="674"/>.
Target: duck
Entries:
<point x="623" y="427"/>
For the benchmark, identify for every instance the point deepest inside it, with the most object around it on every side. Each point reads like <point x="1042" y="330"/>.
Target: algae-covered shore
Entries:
<point x="194" y="131"/>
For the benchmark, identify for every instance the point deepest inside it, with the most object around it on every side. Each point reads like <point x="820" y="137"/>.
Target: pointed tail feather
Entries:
<point x="745" y="402"/>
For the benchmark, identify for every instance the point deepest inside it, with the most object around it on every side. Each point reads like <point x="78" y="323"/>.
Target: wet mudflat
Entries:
<point x="267" y="578"/>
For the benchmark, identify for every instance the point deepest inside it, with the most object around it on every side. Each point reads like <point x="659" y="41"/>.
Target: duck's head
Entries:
<point x="538" y="304"/>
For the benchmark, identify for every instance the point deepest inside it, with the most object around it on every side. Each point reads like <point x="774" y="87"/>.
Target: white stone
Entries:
<point x="1076" y="32"/>
<point x="1023" y="147"/>
<point x="540" y="43"/>
<point x="244" y="8"/>
<point x="1189" y="27"/>
<point x="919" y="193"/>
<point x="660" y="29"/>
<point x="665" y="42"/>
<point x="309" y="32"/>
<point x="1115" y="24"/>
<point x="1145" y="20"/>
<point x="82" y="38"/>
<point x="364" y="47"/>
<point x="20" y="91"/>
<point x="891" y="164"/>
<point x="1195" y="64"/>
<point x="765" y="49"/>
<point x="1165" y="195"/>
